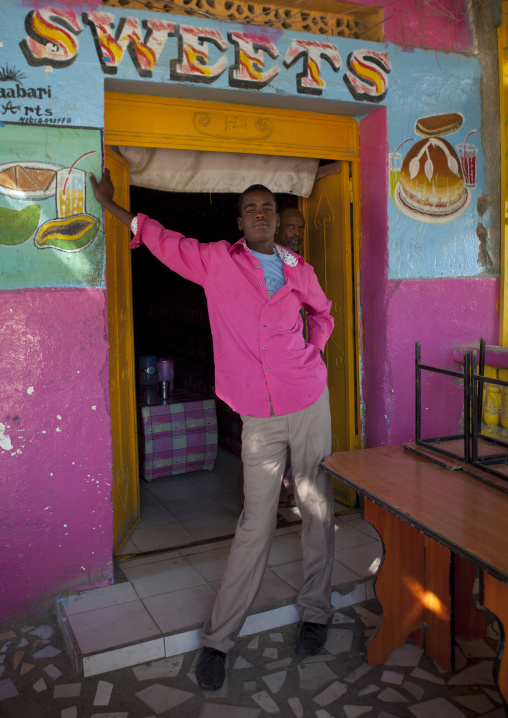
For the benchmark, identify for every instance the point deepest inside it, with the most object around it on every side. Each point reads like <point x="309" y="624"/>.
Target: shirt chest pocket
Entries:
<point x="287" y="311"/>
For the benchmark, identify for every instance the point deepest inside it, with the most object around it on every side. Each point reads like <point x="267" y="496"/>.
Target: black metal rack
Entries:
<point x="482" y="463"/>
<point x="436" y="444"/>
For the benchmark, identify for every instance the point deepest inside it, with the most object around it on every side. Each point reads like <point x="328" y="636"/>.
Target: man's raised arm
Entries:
<point x="104" y="191"/>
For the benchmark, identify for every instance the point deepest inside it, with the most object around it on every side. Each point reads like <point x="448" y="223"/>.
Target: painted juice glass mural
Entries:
<point x="70" y="192"/>
<point x="44" y="204"/>
<point x="468" y="156"/>
<point x="71" y="230"/>
<point x="395" y="160"/>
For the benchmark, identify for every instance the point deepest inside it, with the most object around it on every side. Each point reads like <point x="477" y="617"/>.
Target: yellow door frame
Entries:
<point x="503" y="95"/>
<point x="122" y="370"/>
<point x="146" y="121"/>
<point x="332" y="227"/>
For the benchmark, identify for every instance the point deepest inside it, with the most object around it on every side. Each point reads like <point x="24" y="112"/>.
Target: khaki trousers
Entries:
<point x="264" y="449"/>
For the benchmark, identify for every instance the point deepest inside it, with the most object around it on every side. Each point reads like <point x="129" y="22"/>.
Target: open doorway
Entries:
<point x="333" y="219"/>
<point x="170" y="319"/>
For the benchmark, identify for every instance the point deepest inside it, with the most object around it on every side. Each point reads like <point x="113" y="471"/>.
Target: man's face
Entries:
<point x="291" y="229"/>
<point x="259" y="219"/>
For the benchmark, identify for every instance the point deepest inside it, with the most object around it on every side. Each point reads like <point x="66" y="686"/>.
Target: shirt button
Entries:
<point x="261" y="284"/>
<point x="264" y="347"/>
<point x="257" y="265"/>
<point x="266" y="306"/>
<point x="264" y="326"/>
<point x="266" y="368"/>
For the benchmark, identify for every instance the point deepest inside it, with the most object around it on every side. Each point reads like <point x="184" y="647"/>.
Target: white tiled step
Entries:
<point x="158" y="611"/>
<point x="122" y="633"/>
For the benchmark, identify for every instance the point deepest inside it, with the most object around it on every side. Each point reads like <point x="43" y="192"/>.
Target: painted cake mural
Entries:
<point x="432" y="182"/>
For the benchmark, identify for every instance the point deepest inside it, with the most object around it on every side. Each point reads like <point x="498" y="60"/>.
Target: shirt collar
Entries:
<point x="287" y="256"/>
<point x="284" y="254"/>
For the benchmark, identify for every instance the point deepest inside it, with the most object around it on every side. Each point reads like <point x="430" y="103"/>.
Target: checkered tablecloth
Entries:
<point x="178" y="436"/>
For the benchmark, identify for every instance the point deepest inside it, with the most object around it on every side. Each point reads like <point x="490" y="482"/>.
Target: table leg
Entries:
<point x="413" y="587"/>
<point x="495" y="598"/>
<point x="437" y="603"/>
<point x="469" y="621"/>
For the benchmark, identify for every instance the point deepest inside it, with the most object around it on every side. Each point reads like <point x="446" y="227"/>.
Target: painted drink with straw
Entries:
<point x="395" y="159"/>
<point x="468" y="154"/>
<point x="70" y="190"/>
<point x="395" y="164"/>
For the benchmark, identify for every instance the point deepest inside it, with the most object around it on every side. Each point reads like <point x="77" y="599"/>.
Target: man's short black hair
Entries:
<point x="254" y="188"/>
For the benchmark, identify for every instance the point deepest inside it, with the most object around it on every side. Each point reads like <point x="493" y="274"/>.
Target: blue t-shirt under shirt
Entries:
<point x="274" y="276"/>
<point x="273" y="271"/>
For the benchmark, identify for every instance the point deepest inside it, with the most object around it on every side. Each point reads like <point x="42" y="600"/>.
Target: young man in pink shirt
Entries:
<point x="267" y="372"/>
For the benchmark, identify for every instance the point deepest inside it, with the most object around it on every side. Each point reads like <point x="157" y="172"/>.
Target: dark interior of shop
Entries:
<point x="170" y="314"/>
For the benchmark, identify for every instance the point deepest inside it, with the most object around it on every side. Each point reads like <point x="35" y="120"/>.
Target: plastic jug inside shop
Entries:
<point x="147" y="369"/>
<point x="165" y="376"/>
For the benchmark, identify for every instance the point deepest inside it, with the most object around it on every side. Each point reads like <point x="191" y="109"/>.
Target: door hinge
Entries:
<point x="350" y="191"/>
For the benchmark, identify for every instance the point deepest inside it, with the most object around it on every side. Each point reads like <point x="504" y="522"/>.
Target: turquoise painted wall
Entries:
<point x="79" y="50"/>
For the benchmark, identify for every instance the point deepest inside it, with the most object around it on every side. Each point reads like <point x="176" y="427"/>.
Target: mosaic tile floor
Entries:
<point x="264" y="677"/>
<point x="150" y="617"/>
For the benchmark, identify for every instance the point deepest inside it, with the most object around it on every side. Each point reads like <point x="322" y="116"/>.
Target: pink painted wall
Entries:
<point x="438" y="25"/>
<point x="439" y="313"/>
<point x="56" y="530"/>
<point x="374" y="272"/>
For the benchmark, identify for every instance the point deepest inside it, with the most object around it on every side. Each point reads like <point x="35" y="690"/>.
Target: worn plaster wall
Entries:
<point x="420" y="278"/>
<point x="436" y="24"/>
<point x="55" y="478"/>
<point x="489" y="204"/>
<point x="56" y="525"/>
<point x="376" y="385"/>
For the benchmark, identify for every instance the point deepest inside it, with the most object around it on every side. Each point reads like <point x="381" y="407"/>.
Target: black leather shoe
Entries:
<point x="211" y="669"/>
<point x="311" y="638"/>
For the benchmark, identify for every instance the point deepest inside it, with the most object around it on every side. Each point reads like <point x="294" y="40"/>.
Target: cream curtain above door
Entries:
<point x="174" y="170"/>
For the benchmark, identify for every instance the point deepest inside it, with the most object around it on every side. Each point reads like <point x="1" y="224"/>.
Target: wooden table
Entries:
<point x="437" y="526"/>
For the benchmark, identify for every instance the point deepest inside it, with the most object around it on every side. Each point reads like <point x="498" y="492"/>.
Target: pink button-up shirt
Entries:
<point x="259" y="350"/>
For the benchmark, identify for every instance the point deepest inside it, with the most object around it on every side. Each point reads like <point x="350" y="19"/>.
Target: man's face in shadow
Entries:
<point x="291" y="229"/>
